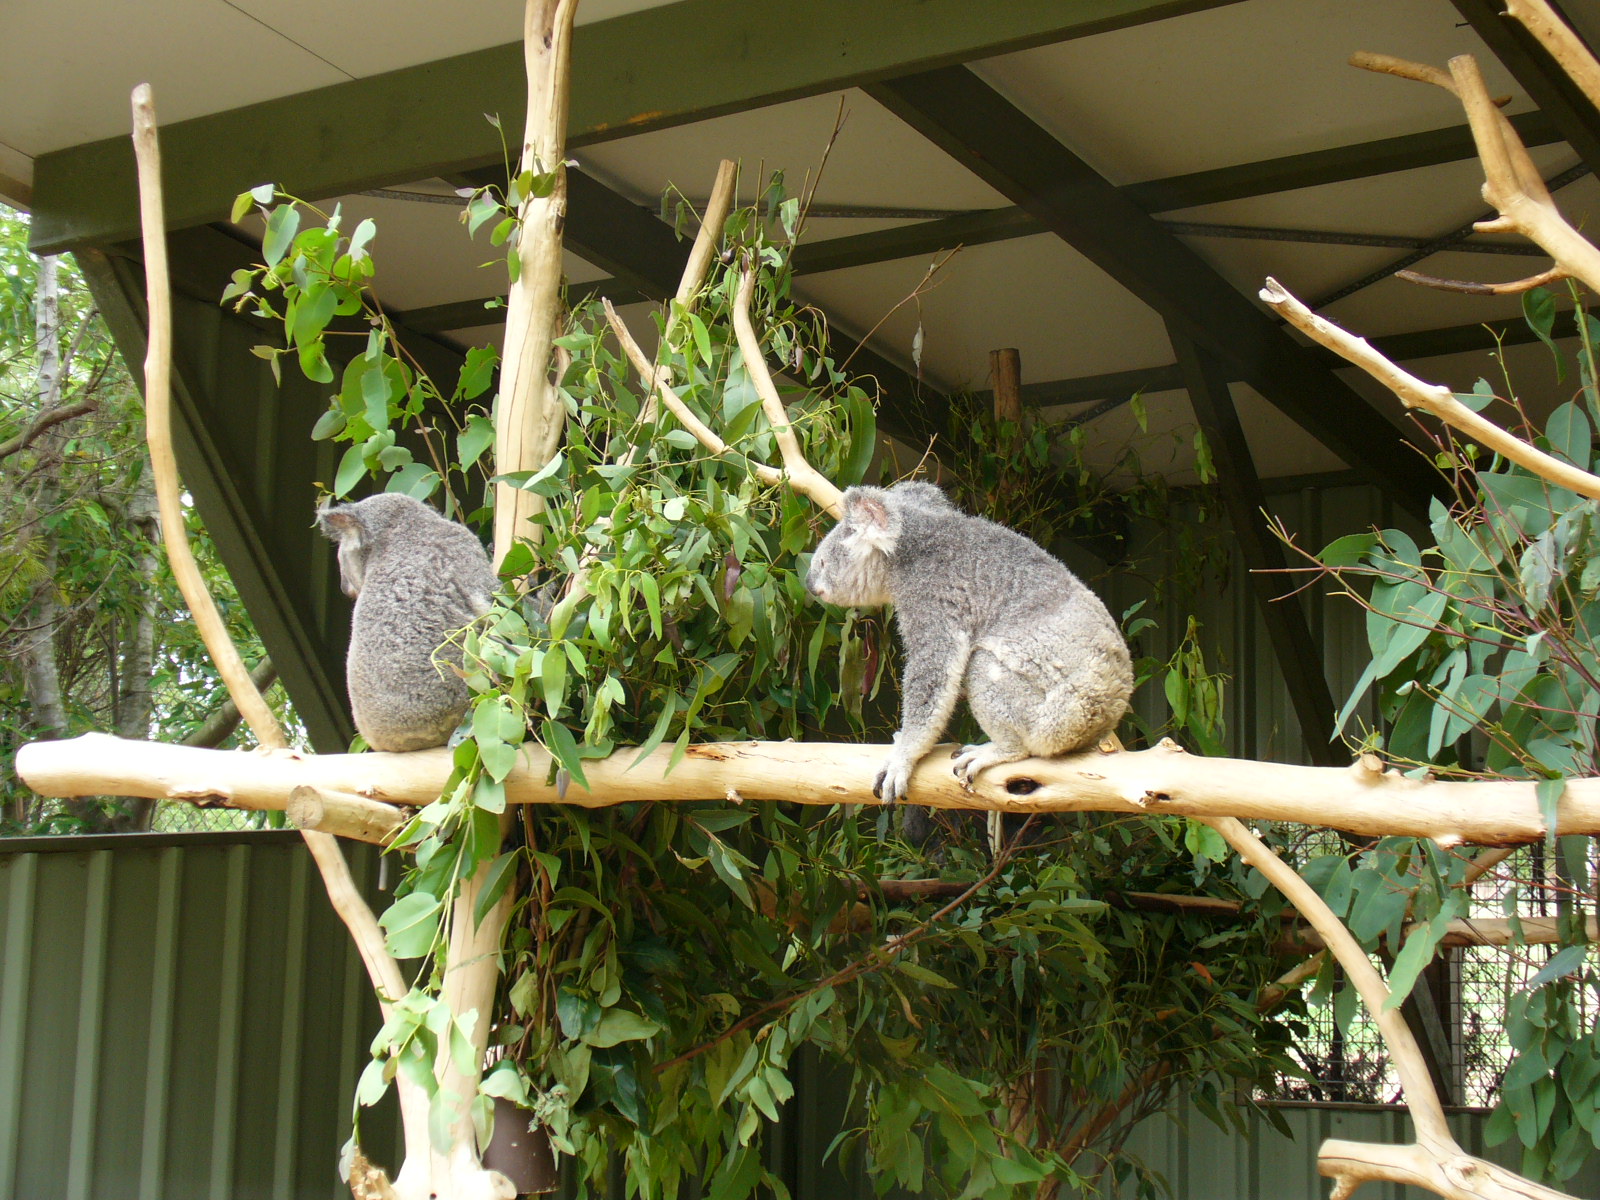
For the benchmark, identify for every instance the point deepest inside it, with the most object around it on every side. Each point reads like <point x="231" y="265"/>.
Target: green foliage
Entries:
<point x="1484" y="665"/>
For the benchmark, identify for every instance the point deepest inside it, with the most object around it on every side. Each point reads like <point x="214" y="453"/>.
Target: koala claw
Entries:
<point x="893" y="779"/>
<point x="974" y="759"/>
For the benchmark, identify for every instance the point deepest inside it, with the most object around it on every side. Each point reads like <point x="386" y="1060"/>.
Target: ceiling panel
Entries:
<point x="1236" y="84"/>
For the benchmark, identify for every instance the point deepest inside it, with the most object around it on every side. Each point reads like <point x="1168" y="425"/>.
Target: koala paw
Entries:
<point x="974" y="759"/>
<point x="893" y="779"/>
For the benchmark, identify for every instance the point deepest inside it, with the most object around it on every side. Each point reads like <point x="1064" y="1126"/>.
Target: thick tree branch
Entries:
<point x="1404" y="1054"/>
<point x="1564" y="46"/>
<point x="1162" y="780"/>
<point x="803" y="477"/>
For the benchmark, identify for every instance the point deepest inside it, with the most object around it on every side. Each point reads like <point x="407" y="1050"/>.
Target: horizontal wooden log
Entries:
<point x="1362" y="799"/>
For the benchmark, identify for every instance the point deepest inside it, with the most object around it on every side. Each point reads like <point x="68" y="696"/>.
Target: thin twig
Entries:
<point x="879" y="958"/>
<point x="1510" y="288"/>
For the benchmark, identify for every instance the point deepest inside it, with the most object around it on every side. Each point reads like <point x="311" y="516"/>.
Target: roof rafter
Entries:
<point x="969" y="120"/>
<point x="652" y="69"/>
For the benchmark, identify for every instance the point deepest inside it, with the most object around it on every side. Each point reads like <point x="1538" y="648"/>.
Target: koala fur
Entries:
<point x="982" y="612"/>
<point x="416" y="578"/>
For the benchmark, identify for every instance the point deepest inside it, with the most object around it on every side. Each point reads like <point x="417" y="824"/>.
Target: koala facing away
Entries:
<point x="416" y="578"/>
<point x="983" y="612"/>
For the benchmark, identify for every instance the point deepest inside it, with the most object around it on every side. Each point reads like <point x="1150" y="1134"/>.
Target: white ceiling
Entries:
<point x="1248" y="81"/>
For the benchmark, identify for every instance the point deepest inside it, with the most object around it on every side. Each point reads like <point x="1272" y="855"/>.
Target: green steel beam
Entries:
<point x="1335" y="165"/>
<point x="647" y="70"/>
<point x="970" y="121"/>
<point x="1561" y="100"/>
<point x="1298" y="654"/>
<point x="920" y="238"/>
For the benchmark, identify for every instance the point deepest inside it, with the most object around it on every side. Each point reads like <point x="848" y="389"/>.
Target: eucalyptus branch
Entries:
<point x="1430" y="397"/>
<point x="673" y="403"/>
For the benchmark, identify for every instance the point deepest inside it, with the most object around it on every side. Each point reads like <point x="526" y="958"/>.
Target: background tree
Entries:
<point x="93" y="634"/>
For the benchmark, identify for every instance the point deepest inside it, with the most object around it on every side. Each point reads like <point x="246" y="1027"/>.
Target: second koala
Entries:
<point x="416" y="578"/>
<point x="983" y="612"/>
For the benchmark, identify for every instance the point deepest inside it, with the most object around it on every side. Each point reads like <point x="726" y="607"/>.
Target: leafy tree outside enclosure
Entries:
<point x="93" y="633"/>
<point x="668" y="962"/>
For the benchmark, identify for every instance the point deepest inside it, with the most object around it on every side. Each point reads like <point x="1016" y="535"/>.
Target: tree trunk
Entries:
<point x="133" y="698"/>
<point x="42" y="614"/>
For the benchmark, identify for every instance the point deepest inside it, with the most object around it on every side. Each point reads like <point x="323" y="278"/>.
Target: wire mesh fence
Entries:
<point x="1338" y="1046"/>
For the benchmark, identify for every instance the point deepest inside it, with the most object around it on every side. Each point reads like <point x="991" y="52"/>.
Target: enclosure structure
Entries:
<point x="1106" y="228"/>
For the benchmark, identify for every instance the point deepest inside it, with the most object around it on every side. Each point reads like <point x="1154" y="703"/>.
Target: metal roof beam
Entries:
<point x="647" y="70"/>
<point x="1289" y="634"/>
<point x="969" y="120"/>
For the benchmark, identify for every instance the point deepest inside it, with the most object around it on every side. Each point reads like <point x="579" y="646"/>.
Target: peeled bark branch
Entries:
<point x="1456" y="1176"/>
<point x="1404" y="1054"/>
<point x="803" y="477"/>
<point x="1564" y="45"/>
<point x="46" y="420"/>
<point x="1430" y="397"/>
<point x="1159" y="781"/>
<point x="347" y="901"/>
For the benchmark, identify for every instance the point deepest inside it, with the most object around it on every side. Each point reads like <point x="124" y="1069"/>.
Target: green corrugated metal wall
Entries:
<point x="183" y="1018"/>
<point x="180" y="1019"/>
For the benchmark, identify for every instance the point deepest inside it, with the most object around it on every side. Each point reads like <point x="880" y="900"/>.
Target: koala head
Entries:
<point x="358" y="528"/>
<point x="850" y="566"/>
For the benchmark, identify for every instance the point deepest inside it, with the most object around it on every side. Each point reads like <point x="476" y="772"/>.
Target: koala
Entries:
<point x="983" y="612"/>
<point x="415" y="577"/>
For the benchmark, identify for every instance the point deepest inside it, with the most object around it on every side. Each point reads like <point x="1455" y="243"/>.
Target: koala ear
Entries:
<point x="874" y="523"/>
<point x="338" y="521"/>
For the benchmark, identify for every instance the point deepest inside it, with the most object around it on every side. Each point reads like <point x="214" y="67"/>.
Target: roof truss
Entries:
<point x="708" y="57"/>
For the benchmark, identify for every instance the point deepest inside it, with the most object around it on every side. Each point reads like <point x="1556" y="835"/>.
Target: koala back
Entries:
<point x="417" y="578"/>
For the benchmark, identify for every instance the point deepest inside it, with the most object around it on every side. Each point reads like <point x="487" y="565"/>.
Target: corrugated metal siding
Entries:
<point x="179" y="1018"/>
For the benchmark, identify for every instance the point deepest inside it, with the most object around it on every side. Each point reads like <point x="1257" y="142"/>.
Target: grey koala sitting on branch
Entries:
<point x="983" y="612"/>
<point x="416" y="578"/>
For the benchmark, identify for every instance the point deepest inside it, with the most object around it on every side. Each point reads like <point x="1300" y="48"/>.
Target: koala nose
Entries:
<point x="813" y="585"/>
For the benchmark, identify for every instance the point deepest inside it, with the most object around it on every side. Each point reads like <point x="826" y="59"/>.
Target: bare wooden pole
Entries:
<point x="528" y="415"/>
